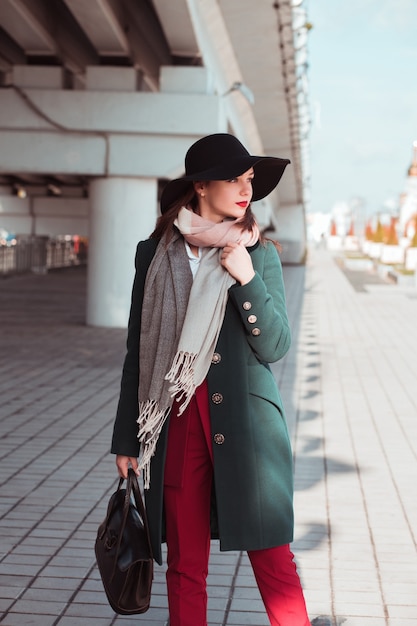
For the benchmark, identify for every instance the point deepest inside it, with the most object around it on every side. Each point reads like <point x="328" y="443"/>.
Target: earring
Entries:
<point x="202" y="195"/>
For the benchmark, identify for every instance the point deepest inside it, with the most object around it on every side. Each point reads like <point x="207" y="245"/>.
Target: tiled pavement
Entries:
<point x="349" y="386"/>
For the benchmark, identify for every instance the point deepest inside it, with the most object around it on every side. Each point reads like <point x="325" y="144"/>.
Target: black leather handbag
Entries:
<point x="123" y="550"/>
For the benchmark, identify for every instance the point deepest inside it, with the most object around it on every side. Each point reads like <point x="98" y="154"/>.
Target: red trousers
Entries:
<point x="187" y="494"/>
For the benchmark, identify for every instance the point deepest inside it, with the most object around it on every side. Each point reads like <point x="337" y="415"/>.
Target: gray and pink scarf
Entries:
<point x="181" y="321"/>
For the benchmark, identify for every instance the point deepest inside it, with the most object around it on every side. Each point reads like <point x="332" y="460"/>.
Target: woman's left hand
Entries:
<point x="236" y="260"/>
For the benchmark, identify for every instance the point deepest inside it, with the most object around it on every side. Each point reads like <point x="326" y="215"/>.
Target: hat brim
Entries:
<point x="268" y="173"/>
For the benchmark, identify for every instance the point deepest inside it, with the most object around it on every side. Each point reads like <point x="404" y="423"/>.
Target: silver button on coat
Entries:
<point x="217" y="398"/>
<point x="216" y="358"/>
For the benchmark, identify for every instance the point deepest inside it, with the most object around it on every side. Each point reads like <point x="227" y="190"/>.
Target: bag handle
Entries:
<point x="131" y="484"/>
<point x="132" y="479"/>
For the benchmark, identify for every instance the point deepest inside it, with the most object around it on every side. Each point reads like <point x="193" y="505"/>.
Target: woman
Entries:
<point x="208" y="314"/>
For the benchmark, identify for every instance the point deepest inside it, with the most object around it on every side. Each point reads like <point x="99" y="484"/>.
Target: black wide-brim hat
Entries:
<point x="221" y="157"/>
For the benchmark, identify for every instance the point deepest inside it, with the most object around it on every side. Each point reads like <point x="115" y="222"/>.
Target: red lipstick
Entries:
<point x="242" y="204"/>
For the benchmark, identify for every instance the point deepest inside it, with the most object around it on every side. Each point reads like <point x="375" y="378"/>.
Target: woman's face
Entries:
<point x="220" y="199"/>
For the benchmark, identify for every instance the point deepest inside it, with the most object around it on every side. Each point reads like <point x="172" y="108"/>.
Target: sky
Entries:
<point x="363" y="101"/>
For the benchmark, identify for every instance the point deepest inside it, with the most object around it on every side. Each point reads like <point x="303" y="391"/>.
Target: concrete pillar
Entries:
<point x="123" y="211"/>
<point x="290" y="231"/>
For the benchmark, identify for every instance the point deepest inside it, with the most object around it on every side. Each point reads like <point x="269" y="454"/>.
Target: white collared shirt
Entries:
<point x="194" y="260"/>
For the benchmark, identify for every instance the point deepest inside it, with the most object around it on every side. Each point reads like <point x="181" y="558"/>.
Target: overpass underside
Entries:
<point x="99" y="102"/>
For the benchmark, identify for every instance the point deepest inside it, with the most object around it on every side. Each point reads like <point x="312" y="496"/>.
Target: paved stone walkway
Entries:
<point x="349" y="386"/>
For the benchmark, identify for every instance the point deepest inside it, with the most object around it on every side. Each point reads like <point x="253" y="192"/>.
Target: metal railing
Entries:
<point x="38" y="254"/>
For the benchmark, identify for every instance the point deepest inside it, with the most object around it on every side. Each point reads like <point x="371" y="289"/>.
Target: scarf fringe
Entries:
<point x="151" y="420"/>
<point x="182" y="375"/>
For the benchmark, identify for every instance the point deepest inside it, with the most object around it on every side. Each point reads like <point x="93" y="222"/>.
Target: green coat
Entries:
<point x="253" y="486"/>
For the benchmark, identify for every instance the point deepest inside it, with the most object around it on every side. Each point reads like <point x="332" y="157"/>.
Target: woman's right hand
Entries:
<point x="123" y="463"/>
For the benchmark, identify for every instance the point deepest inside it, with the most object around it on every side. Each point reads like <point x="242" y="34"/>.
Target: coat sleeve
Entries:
<point x="261" y="306"/>
<point x="125" y="430"/>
